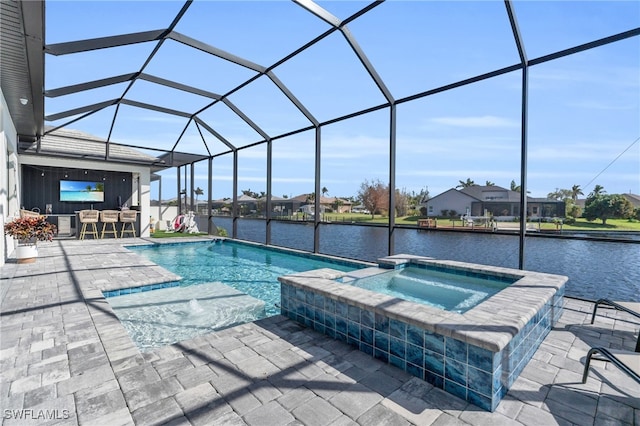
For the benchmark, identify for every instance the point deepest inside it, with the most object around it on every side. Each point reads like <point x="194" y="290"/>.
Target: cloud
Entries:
<point x="485" y="121"/>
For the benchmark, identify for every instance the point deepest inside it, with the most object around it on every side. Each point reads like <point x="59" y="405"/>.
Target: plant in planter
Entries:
<point x="28" y="231"/>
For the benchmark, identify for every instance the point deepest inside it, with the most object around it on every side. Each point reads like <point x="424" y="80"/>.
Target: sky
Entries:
<point x="583" y="109"/>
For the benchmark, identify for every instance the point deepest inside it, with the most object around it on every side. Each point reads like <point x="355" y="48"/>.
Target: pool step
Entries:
<point x="160" y="317"/>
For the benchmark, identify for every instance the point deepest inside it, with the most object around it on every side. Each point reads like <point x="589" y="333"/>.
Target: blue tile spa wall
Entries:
<point x="470" y="372"/>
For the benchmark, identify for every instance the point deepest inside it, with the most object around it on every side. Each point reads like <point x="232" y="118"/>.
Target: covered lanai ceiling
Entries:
<point x="183" y="91"/>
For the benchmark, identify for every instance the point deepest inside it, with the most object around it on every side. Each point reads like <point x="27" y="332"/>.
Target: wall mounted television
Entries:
<point x="80" y="191"/>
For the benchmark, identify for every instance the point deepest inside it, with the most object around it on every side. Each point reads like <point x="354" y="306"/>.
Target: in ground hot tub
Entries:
<point x="474" y="351"/>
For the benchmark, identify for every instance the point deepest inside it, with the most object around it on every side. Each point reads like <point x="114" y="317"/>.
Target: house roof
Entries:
<point x="633" y="199"/>
<point x="76" y="144"/>
<point x="447" y="192"/>
<point x="479" y="192"/>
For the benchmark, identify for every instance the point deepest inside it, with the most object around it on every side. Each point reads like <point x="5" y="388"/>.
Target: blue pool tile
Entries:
<point x="330" y="305"/>
<point x="330" y="320"/>
<point x="367" y="349"/>
<point x="125" y="291"/>
<point x="482" y="358"/>
<point x="415" y="371"/>
<point x="331" y="332"/>
<point x="434" y="342"/>
<point x="318" y="316"/>
<point x="455" y="349"/>
<point x="308" y="311"/>
<point x="353" y="330"/>
<point x="481" y="401"/>
<point x="309" y="296"/>
<point x="341" y="325"/>
<point x="497" y="377"/>
<point x="353" y="342"/>
<point x="398" y="329"/>
<point x="381" y="340"/>
<point x="456" y="371"/>
<point x="285" y="290"/>
<point x="415" y="335"/>
<point x="342" y="309"/>
<point x="319" y="327"/>
<point x="398" y="362"/>
<point x="455" y="389"/>
<point x="353" y="313"/>
<point x="415" y="354"/>
<point x="318" y="301"/>
<point x="381" y="355"/>
<point x="434" y="362"/>
<point x="367" y="319"/>
<point x="300" y="294"/>
<point x="341" y="336"/>
<point x="366" y="335"/>
<point x="479" y="380"/>
<point x="382" y="323"/>
<point x="397" y="347"/>
<point x="434" y="379"/>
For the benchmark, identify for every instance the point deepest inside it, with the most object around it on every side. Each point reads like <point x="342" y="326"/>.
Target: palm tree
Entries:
<point x="198" y="191"/>
<point x="555" y="195"/>
<point x="514" y="187"/>
<point x="575" y="191"/>
<point x="489" y="183"/>
<point x="325" y="191"/>
<point x="466" y="184"/>
<point x="597" y="191"/>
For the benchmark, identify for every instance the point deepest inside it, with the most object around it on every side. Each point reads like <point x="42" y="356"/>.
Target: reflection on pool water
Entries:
<point x="444" y="290"/>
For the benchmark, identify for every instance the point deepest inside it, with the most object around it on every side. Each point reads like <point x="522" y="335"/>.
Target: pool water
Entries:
<point x="444" y="290"/>
<point x="223" y="284"/>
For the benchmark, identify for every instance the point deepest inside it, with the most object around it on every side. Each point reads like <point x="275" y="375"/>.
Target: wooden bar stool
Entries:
<point x="109" y="217"/>
<point x="89" y="217"/>
<point x="128" y="217"/>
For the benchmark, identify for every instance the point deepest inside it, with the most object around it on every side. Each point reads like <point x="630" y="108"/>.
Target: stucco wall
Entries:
<point x="9" y="179"/>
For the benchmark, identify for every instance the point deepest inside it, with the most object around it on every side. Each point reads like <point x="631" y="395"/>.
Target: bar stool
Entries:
<point x="128" y="217"/>
<point x="88" y="217"/>
<point x="111" y="217"/>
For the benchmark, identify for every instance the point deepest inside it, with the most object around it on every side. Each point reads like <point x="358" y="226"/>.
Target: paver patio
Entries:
<point x="66" y="359"/>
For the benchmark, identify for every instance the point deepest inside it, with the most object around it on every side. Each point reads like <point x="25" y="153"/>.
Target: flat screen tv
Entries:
<point x="79" y="191"/>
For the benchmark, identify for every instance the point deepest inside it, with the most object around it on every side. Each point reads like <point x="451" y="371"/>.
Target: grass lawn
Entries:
<point x="581" y="224"/>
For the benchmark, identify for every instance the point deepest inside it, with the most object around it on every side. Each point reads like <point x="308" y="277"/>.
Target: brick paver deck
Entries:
<point x="66" y="359"/>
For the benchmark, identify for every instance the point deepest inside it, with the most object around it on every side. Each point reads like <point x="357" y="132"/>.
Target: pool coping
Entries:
<point x="490" y="325"/>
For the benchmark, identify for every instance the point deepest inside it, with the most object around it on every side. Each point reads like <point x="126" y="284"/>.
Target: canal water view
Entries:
<point x="596" y="269"/>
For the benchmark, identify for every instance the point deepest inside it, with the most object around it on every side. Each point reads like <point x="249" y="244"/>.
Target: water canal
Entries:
<point x="595" y="268"/>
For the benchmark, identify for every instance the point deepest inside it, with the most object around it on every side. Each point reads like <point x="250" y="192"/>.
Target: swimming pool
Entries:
<point x="438" y="288"/>
<point x="224" y="283"/>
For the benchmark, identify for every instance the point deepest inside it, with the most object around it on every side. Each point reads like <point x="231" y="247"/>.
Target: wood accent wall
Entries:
<point x="41" y="186"/>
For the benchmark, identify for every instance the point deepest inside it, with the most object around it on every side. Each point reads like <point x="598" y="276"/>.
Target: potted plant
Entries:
<point x="28" y="231"/>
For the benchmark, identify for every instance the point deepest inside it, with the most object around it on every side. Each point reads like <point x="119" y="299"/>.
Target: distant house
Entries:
<point x="633" y="199"/>
<point x="305" y="204"/>
<point x="493" y="200"/>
